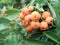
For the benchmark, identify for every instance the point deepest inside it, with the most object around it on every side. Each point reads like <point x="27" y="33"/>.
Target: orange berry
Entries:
<point x="29" y="28"/>
<point x="25" y="11"/>
<point x="28" y="18"/>
<point x="45" y="14"/>
<point x="31" y="8"/>
<point x="43" y="25"/>
<point x="35" y="16"/>
<point x="49" y="20"/>
<point x="21" y="16"/>
<point x="25" y="23"/>
<point x="35" y="25"/>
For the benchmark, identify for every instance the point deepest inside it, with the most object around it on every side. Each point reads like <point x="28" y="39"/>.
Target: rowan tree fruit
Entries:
<point x="35" y="25"/>
<point x="29" y="28"/>
<point x="31" y="8"/>
<point x="21" y="15"/>
<point x="45" y="14"/>
<point x="36" y="16"/>
<point x="49" y="20"/>
<point x="43" y="25"/>
<point x="25" y="11"/>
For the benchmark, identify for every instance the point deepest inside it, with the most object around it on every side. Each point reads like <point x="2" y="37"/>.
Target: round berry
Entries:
<point x="25" y="23"/>
<point x="35" y="25"/>
<point x="29" y="28"/>
<point x="25" y="11"/>
<point x="43" y="25"/>
<point x="31" y="8"/>
<point x="21" y="16"/>
<point x="49" y="20"/>
<point x="28" y="18"/>
<point x="45" y="14"/>
<point x="36" y="16"/>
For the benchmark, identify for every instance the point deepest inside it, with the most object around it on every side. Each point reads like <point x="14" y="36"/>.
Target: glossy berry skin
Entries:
<point x="29" y="28"/>
<point x="31" y="8"/>
<point x="49" y="20"/>
<point x="43" y="25"/>
<point x="25" y="11"/>
<point x="45" y="14"/>
<point x="35" y="25"/>
<point x="36" y="16"/>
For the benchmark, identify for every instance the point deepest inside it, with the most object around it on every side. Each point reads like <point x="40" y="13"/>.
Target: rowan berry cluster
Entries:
<point x="31" y="19"/>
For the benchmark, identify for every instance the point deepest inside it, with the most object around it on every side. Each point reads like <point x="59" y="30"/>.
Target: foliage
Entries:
<point x="11" y="33"/>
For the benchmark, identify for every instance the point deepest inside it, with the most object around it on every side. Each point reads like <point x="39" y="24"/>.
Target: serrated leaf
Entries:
<point x="35" y="42"/>
<point x="53" y="36"/>
<point x="4" y="23"/>
<point x="12" y="14"/>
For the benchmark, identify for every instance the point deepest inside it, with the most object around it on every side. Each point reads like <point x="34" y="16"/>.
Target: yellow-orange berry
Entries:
<point x="29" y="28"/>
<point x="45" y="14"/>
<point x="25" y="23"/>
<point x="35" y="25"/>
<point x="49" y="20"/>
<point x="25" y="11"/>
<point x="31" y="8"/>
<point x="28" y="18"/>
<point x="36" y="16"/>
<point x="43" y="25"/>
<point x="21" y="16"/>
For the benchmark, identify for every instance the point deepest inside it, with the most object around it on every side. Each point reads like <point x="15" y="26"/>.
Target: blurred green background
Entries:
<point x="12" y="36"/>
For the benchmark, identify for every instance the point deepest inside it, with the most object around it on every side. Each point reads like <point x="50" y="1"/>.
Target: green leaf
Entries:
<point x="13" y="39"/>
<point x="39" y="8"/>
<point x="4" y="23"/>
<point x="23" y="31"/>
<point x="41" y="2"/>
<point x="52" y="36"/>
<point x="12" y="14"/>
<point x="52" y="11"/>
<point x="4" y="33"/>
<point x="55" y="5"/>
<point x="32" y="2"/>
<point x="7" y="1"/>
<point x="35" y="42"/>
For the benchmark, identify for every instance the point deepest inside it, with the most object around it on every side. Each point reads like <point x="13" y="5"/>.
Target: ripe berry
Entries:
<point x="29" y="28"/>
<point x="35" y="25"/>
<point x="36" y="16"/>
<point x="49" y="20"/>
<point x="43" y="25"/>
<point x="28" y="18"/>
<point x="45" y="14"/>
<point x="21" y="16"/>
<point x="25" y="23"/>
<point x="25" y="11"/>
<point x="31" y="8"/>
